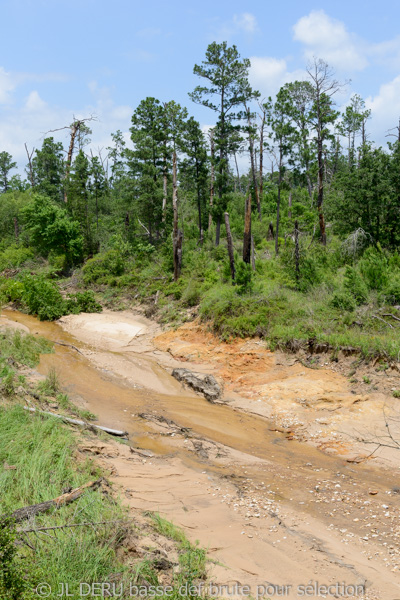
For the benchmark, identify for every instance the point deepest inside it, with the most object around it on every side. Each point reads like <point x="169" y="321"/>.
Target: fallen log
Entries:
<point x="116" y="432"/>
<point x="36" y="509"/>
<point x="68" y="346"/>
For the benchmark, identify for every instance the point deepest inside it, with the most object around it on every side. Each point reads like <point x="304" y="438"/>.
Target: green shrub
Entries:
<point x="310" y="264"/>
<point x="374" y="268"/>
<point x="355" y="285"/>
<point x="192" y="293"/>
<point x="101" y="266"/>
<point x="43" y="298"/>
<point x="392" y="291"/>
<point x="343" y="301"/>
<point x="82" y="302"/>
<point x="14" y="256"/>
<point x="244" y="278"/>
<point x="15" y="582"/>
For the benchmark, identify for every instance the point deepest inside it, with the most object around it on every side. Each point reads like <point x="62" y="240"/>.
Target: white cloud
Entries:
<point x="328" y="38"/>
<point x="34" y="103"/>
<point x="385" y="109"/>
<point x="387" y="53"/>
<point x="268" y="74"/>
<point x="245" y="22"/>
<point x="7" y="86"/>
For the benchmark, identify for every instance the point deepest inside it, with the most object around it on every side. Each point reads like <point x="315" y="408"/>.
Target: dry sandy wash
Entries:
<point x="246" y="477"/>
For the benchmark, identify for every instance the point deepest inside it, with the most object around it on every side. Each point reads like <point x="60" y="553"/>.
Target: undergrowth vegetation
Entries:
<point x="339" y="297"/>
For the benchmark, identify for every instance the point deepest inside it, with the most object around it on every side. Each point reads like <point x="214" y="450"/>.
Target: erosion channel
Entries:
<point x="274" y="513"/>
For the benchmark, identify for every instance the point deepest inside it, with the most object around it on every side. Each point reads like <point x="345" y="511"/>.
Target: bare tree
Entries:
<point x="251" y="134"/>
<point x="78" y="134"/>
<point x="29" y="155"/>
<point x="261" y="129"/>
<point x="325" y="86"/>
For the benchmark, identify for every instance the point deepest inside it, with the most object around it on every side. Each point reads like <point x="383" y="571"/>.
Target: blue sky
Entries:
<point x="59" y="59"/>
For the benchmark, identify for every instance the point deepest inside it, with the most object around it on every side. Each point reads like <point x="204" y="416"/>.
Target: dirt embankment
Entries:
<point x="270" y="509"/>
<point x="332" y="404"/>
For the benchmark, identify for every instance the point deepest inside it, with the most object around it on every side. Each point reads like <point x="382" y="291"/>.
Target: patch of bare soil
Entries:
<point x="336" y="405"/>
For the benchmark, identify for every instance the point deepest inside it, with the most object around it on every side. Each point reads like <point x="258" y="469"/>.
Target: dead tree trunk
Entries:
<point x="297" y="252"/>
<point x="16" y="229"/>
<point x="270" y="234"/>
<point x="218" y="230"/>
<point x="278" y="207"/>
<point x="237" y="174"/>
<point x="278" y="218"/>
<point x="230" y="246"/>
<point x="320" y="198"/>
<point x="178" y="255"/>
<point x="31" y="178"/>
<point x="74" y="131"/>
<point x="175" y="231"/>
<point x="36" y="509"/>
<point x="212" y="178"/>
<point x="165" y="190"/>
<point x="253" y="167"/>
<point x="261" y="179"/>
<point x="253" y="258"/>
<point x="247" y="231"/>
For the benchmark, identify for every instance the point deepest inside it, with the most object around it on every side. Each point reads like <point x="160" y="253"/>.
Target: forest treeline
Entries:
<point x="313" y="222"/>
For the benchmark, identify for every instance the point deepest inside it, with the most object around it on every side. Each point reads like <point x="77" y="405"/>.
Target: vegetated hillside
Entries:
<point x="301" y="249"/>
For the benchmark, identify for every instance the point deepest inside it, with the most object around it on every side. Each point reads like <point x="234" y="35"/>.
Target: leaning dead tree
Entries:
<point x="78" y="132"/>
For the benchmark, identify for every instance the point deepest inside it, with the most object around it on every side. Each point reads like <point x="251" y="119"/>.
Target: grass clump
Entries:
<point x="192" y="558"/>
<point x="42" y="452"/>
<point x="16" y="349"/>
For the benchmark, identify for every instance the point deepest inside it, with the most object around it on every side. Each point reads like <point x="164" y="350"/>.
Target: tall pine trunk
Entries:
<point x="230" y="246"/>
<point x="177" y="243"/>
<point x="212" y="179"/>
<point x="253" y="166"/>
<point x="247" y="231"/>
<point x="261" y="178"/>
<point x="165" y="190"/>
<point x="320" y="198"/>
<point x="278" y="207"/>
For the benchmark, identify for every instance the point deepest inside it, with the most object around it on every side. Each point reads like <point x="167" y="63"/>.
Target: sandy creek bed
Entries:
<point x="271" y="509"/>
